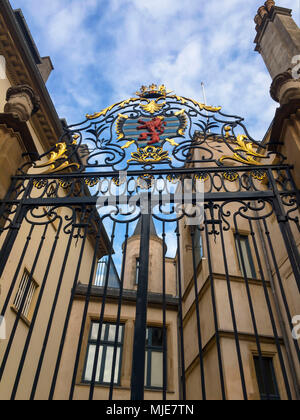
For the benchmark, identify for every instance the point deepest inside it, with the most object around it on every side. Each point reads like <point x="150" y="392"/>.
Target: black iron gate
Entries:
<point x="114" y="218"/>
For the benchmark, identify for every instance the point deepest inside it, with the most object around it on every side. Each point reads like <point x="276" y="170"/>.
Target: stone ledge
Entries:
<point x="20" y="127"/>
<point x="129" y="296"/>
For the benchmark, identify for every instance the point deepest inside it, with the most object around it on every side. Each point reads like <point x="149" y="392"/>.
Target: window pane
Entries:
<point x="108" y="365"/>
<point x="157" y="337"/>
<point x="146" y="368"/>
<point x="95" y="330"/>
<point x="270" y="379"/>
<point x="198" y="246"/>
<point x="157" y="369"/>
<point x="112" y="333"/>
<point x="245" y="252"/>
<point x="137" y="271"/>
<point x="243" y="243"/>
<point x="90" y="363"/>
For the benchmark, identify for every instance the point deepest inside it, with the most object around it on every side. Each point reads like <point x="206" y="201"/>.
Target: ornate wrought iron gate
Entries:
<point x="133" y="163"/>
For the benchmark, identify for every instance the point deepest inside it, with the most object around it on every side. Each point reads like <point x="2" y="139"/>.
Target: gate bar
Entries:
<point x="138" y="362"/>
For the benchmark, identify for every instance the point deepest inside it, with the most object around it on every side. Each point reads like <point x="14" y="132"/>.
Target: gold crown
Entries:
<point x="152" y="91"/>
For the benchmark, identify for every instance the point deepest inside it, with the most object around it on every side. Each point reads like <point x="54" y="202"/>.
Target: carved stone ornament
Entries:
<point x="262" y="11"/>
<point x="269" y="4"/>
<point x="258" y="20"/>
<point x="285" y="88"/>
<point x="22" y="102"/>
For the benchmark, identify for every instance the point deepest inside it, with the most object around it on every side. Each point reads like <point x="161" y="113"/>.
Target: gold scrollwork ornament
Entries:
<point x="55" y="163"/>
<point x="150" y="154"/>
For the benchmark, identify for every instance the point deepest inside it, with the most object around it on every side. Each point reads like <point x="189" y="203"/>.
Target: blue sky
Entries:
<point x="104" y="50"/>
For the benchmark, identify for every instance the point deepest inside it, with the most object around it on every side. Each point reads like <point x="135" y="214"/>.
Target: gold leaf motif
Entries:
<point x="227" y="131"/>
<point x="153" y="107"/>
<point x="247" y="148"/>
<point x="119" y="125"/>
<point x="172" y="142"/>
<point x="127" y="102"/>
<point x="64" y="184"/>
<point x="203" y="177"/>
<point x="92" y="182"/>
<point x="54" y="158"/>
<point x="101" y="113"/>
<point x="179" y="99"/>
<point x="41" y="183"/>
<point x="231" y="176"/>
<point x="173" y="179"/>
<point x="118" y="181"/>
<point x="259" y="175"/>
<point x="183" y="121"/>
<point x="128" y="144"/>
<point x="106" y="110"/>
<point x="150" y="154"/>
<point x="206" y="107"/>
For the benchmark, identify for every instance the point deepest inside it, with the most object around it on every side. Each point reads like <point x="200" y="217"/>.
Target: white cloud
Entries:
<point x="104" y="50"/>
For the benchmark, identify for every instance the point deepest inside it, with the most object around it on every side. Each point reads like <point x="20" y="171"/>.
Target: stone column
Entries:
<point x="22" y="102"/>
<point x="278" y="42"/>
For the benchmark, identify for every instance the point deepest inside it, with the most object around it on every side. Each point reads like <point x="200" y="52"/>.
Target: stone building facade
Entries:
<point x="219" y="289"/>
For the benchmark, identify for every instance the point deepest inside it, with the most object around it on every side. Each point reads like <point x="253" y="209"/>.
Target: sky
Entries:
<point x="104" y="50"/>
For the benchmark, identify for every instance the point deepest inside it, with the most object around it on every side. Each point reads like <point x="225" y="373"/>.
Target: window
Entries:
<point x="26" y="292"/>
<point x="270" y="387"/>
<point x="154" y="358"/>
<point x="198" y="248"/>
<point x="242" y="241"/>
<point x="137" y="271"/>
<point x="101" y="274"/>
<point x="106" y="352"/>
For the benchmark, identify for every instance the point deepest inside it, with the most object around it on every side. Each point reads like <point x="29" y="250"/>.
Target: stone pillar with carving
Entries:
<point x="16" y="143"/>
<point x="22" y="102"/>
<point x="278" y="42"/>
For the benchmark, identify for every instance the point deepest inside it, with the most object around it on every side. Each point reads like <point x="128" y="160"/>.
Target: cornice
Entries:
<point x="278" y="82"/>
<point x="23" y="71"/>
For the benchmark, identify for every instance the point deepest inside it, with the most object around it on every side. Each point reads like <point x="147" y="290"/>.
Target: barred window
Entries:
<point x="266" y="380"/>
<point x="154" y="358"/>
<point x="25" y="294"/>
<point x="246" y="258"/>
<point x="106" y="352"/>
<point x="137" y="270"/>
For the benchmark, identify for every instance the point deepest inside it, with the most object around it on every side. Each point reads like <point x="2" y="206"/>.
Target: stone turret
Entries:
<point x="278" y="42"/>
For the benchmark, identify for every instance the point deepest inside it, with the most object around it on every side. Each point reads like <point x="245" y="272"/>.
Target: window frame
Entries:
<point x="263" y="396"/>
<point x="105" y="343"/>
<point x="137" y="270"/>
<point x="198" y="245"/>
<point x="29" y="305"/>
<point x="149" y="349"/>
<point x="249" y="256"/>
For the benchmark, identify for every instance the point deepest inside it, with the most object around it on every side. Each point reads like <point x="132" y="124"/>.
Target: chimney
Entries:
<point x="278" y="42"/>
